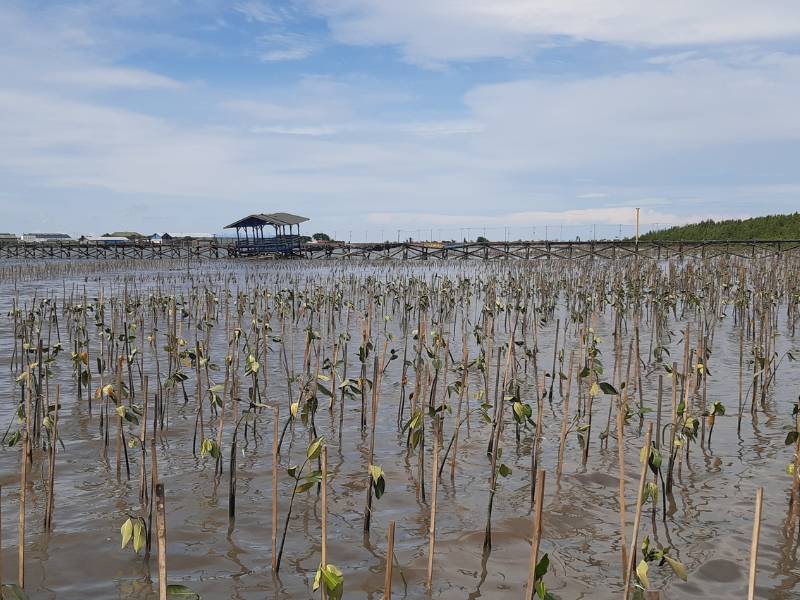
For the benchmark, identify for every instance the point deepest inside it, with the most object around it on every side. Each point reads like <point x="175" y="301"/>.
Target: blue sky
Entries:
<point x="373" y="116"/>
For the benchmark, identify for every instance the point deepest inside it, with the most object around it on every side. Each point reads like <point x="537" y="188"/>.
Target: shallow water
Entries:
<point x="709" y="530"/>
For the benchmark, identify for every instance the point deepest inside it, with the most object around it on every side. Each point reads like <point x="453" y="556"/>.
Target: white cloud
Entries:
<point x="442" y="30"/>
<point x="107" y="77"/>
<point x="585" y="216"/>
<point x="260" y="12"/>
<point x="607" y="121"/>
<point x="286" y="46"/>
<point x="340" y="148"/>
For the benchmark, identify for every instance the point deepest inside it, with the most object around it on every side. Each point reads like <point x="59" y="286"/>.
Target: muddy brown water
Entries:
<point x="709" y="530"/>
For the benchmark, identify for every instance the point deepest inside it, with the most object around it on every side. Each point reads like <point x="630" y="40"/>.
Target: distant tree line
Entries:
<point x="769" y="227"/>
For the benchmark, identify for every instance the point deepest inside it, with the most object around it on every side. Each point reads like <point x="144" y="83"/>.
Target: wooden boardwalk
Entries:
<point x="522" y="250"/>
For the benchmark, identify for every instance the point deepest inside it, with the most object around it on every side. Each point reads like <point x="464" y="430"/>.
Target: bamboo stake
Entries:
<point x="275" y="489"/>
<point x="537" y="534"/>
<point x="324" y="562"/>
<point x="23" y="485"/>
<point x="1" y="539"/>
<point x="161" y="535"/>
<point x="432" y="530"/>
<point x="48" y="519"/>
<point x="751" y="583"/>
<point x="638" y="518"/>
<point x="621" y="466"/>
<point x="565" y="419"/>
<point x="387" y="582"/>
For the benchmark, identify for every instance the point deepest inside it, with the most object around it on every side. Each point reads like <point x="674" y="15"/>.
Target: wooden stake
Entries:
<point x="161" y="536"/>
<point x="324" y="494"/>
<point x="432" y="530"/>
<point x="48" y="518"/>
<point x="565" y="419"/>
<point x="751" y="583"/>
<point x="638" y="518"/>
<point x="537" y="534"/>
<point x="387" y="582"/>
<point x="621" y="473"/>
<point x="23" y="485"/>
<point x="1" y="539"/>
<point x="275" y="489"/>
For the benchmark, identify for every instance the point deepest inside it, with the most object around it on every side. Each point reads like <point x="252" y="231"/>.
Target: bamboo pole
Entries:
<point x="621" y="474"/>
<point x="324" y="495"/>
<point x="23" y="485"/>
<point x="638" y="518"/>
<point x="275" y="488"/>
<point x="432" y="530"/>
<point x="52" y="466"/>
<point x="537" y="534"/>
<point x="161" y="536"/>
<point x="387" y="582"/>
<point x="565" y="418"/>
<point x="751" y="582"/>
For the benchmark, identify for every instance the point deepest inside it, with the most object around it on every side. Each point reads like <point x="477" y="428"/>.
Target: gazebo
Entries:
<point x="250" y="238"/>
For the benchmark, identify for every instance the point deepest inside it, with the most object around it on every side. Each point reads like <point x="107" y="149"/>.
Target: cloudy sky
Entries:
<point x="373" y="116"/>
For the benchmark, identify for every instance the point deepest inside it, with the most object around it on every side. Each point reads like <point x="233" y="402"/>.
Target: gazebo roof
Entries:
<point x="274" y="219"/>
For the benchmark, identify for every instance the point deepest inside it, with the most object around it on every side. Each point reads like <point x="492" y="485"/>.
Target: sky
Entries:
<point x="384" y="119"/>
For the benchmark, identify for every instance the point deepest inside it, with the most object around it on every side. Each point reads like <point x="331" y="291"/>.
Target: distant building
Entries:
<point x="182" y="237"/>
<point x="46" y="237"/>
<point x="8" y="238"/>
<point x="104" y="240"/>
<point x="130" y="235"/>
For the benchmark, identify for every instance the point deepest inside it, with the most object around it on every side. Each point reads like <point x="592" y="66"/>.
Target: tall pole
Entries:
<point x="637" y="227"/>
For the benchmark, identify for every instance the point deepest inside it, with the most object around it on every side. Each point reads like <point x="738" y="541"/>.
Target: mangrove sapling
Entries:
<point x="51" y="424"/>
<point x="565" y="419"/>
<point x="651" y="555"/>
<point x="460" y="387"/>
<point x="718" y="409"/>
<point x="308" y="481"/>
<point x="522" y="415"/>
<point x="497" y="452"/>
<point x="210" y="447"/>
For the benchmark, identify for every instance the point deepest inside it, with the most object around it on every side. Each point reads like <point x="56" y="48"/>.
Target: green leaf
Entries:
<point x="541" y="567"/>
<point x="305" y="486"/>
<point x="126" y="531"/>
<point x="608" y="388"/>
<point x="315" y="448"/>
<point x="641" y="574"/>
<point x="541" y="591"/>
<point x="380" y="487"/>
<point x="175" y="590"/>
<point x="334" y="582"/>
<point x="505" y="470"/>
<point x="791" y="438"/>
<point x="677" y="567"/>
<point x="138" y="536"/>
<point x="14" y="438"/>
